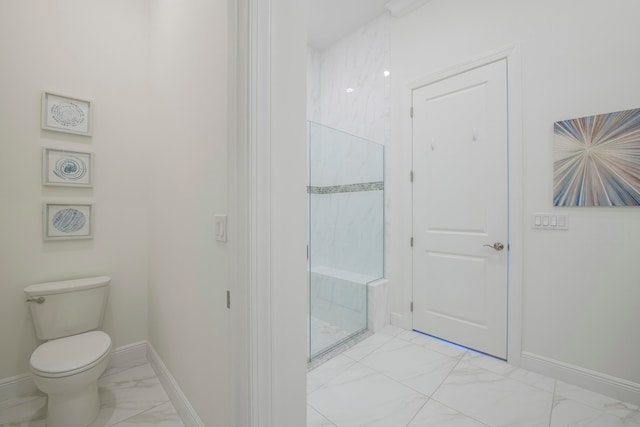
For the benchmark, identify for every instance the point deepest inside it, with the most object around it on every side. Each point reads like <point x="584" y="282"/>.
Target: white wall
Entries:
<point x="157" y="77"/>
<point x="188" y="318"/>
<point x="581" y="299"/>
<point x="288" y="167"/>
<point x="91" y="50"/>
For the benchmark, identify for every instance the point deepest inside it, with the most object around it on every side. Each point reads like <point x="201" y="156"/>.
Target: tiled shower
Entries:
<point x="348" y="124"/>
<point x="346" y="233"/>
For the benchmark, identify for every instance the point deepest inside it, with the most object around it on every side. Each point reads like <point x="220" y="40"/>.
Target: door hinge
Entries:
<point x="412" y="242"/>
<point x="411" y="112"/>
<point x="307" y="252"/>
<point x="229" y="299"/>
<point x="411" y="306"/>
<point x="411" y="176"/>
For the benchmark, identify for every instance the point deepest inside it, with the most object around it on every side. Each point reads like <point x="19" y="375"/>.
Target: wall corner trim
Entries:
<point x="178" y="398"/>
<point x="400" y="8"/>
<point x="598" y="382"/>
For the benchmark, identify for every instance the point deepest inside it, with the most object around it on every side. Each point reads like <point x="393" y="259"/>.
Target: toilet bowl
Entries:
<point x="67" y="366"/>
<point x="67" y="369"/>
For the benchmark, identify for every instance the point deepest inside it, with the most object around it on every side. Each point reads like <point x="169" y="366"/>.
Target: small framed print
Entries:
<point x="67" y="168"/>
<point x="65" y="114"/>
<point x="68" y="221"/>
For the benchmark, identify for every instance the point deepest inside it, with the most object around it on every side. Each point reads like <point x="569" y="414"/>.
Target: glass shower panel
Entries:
<point x="346" y="233"/>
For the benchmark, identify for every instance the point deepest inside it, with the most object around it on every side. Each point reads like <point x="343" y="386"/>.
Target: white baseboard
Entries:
<point x="400" y="8"/>
<point x="397" y="319"/>
<point x="127" y="355"/>
<point x="20" y="385"/>
<point x="618" y="388"/>
<point x="183" y="407"/>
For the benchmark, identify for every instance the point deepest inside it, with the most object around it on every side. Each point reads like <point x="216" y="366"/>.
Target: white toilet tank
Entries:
<point x="68" y="307"/>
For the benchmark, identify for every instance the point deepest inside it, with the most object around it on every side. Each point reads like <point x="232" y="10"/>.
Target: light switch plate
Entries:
<point x="220" y="227"/>
<point x="550" y="221"/>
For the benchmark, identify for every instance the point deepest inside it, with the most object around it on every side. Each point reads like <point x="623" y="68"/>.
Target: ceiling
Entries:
<point x="330" y="20"/>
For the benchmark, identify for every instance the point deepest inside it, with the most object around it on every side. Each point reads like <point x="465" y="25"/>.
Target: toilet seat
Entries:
<point x="71" y="355"/>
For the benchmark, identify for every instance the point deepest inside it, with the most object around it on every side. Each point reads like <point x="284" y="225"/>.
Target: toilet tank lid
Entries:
<point x="63" y="286"/>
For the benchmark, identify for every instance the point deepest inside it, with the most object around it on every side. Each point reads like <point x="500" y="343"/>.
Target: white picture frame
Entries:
<point x="67" y="168"/>
<point x="66" y="114"/>
<point x="67" y="221"/>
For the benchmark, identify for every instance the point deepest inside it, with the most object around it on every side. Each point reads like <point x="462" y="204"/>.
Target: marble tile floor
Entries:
<point x="131" y="396"/>
<point x="399" y="378"/>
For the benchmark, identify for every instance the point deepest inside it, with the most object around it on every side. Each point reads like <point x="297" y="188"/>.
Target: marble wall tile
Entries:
<point x="337" y="157"/>
<point x="346" y="232"/>
<point x="348" y="110"/>
<point x="352" y="85"/>
<point x="324" y="335"/>
<point x="313" y="85"/>
<point x="378" y="305"/>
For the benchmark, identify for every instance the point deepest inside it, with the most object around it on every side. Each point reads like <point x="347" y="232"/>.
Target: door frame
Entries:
<point x="267" y="256"/>
<point x="516" y="185"/>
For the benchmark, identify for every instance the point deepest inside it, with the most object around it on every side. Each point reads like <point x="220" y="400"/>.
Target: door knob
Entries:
<point x="498" y="246"/>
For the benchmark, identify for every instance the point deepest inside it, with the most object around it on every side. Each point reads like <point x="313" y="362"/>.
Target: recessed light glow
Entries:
<point x="386" y="73"/>
<point x="350" y="90"/>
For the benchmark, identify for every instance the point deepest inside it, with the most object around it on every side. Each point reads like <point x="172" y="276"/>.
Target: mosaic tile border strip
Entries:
<point x="347" y="188"/>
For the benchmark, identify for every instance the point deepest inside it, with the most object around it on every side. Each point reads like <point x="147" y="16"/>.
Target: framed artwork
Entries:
<point x="597" y="160"/>
<point x="67" y="168"/>
<point x="65" y="114"/>
<point x="67" y="221"/>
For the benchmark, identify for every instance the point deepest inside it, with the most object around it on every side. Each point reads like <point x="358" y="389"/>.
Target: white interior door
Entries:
<point x="460" y="209"/>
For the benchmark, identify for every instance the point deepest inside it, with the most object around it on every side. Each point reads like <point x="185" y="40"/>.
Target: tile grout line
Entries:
<point x="553" y="401"/>
<point x="460" y="412"/>
<point x="323" y="415"/>
<point x="143" y="412"/>
<point x="418" y="411"/>
<point x="146" y="362"/>
<point x="447" y="376"/>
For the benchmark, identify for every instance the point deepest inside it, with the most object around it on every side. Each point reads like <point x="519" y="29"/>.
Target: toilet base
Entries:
<point x="76" y="409"/>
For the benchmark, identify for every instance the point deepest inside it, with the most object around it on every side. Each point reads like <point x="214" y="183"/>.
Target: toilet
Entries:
<point x="67" y="366"/>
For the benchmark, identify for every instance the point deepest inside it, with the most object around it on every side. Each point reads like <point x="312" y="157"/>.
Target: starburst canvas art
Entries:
<point x="597" y="160"/>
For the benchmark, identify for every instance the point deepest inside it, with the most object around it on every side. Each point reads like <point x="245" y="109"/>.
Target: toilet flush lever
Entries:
<point x="38" y="300"/>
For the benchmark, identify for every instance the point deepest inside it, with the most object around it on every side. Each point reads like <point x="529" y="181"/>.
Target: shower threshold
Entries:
<point x="341" y="346"/>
